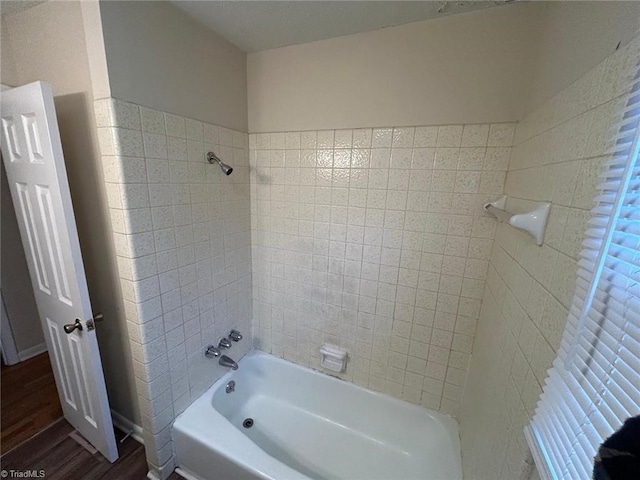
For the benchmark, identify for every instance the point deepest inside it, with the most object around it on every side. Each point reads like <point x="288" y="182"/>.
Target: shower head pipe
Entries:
<point x="213" y="158"/>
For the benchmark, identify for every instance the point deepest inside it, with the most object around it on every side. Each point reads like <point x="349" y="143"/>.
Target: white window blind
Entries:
<point x="594" y="383"/>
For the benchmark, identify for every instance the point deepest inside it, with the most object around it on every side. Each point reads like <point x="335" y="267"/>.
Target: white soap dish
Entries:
<point x="533" y="222"/>
<point x="333" y="358"/>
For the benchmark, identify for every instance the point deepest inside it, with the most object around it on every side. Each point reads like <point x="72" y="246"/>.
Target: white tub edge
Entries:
<point x="276" y="469"/>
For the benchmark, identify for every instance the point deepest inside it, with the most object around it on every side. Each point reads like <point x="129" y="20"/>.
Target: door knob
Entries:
<point x="70" y="327"/>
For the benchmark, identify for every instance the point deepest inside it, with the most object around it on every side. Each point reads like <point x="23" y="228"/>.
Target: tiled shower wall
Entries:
<point x="558" y="152"/>
<point x="376" y="240"/>
<point x="182" y="237"/>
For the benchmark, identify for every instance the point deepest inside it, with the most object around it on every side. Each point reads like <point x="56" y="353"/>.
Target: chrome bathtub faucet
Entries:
<point x="228" y="362"/>
<point x="214" y="352"/>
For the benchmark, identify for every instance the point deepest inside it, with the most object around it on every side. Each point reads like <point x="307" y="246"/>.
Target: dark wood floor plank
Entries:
<point x="134" y="466"/>
<point x="62" y="458"/>
<point x="29" y="401"/>
<point x="36" y="437"/>
<point x="48" y="439"/>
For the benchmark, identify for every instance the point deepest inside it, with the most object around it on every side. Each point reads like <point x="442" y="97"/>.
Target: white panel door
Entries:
<point x="32" y="154"/>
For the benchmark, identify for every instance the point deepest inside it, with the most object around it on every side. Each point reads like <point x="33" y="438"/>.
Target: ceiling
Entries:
<point x="261" y="25"/>
<point x="8" y="7"/>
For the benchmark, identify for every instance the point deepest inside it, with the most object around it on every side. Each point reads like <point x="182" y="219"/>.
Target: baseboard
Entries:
<point x="31" y="352"/>
<point x="163" y="472"/>
<point x="186" y="475"/>
<point x="152" y="476"/>
<point x="127" y="425"/>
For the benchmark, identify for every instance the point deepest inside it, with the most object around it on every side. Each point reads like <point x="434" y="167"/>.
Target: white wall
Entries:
<point x="553" y="80"/>
<point x="7" y="63"/>
<point x="470" y="68"/>
<point x="201" y="76"/>
<point x="47" y="43"/>
<point x="488" y="66"/>
<point x="376" y="241"/>
<point x="160" y="57"/>
<point x="558" y="153"/>
<point x="182" y="230"/>
<point x="482" y="67"/>
<point x="575" y="37"/>
<point x="182" y="234"/>
<point x="556" y="157"/>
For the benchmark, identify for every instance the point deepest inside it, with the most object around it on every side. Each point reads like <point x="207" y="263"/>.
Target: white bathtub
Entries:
<point x="310" y="426"/>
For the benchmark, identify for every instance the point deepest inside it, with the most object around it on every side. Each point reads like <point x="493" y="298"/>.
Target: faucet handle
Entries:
<point x="211" y="352"/>
<point x="235" y="335"/>
<point x="224" y="343"/>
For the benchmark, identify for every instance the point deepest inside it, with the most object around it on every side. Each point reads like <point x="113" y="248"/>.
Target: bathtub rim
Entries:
<point x="271" y="464"/>
<point x="450" y="424"/>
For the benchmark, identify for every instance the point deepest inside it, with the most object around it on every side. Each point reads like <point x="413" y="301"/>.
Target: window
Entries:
<point x="594" y="384"/>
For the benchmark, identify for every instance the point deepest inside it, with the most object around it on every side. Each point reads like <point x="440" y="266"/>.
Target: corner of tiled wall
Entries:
<point x="558" y="152"/>
<point x="182" y="236"/>
<point x="375" y="240"/>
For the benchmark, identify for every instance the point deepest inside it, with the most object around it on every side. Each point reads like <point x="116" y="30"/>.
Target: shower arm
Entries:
<point x="212" y="157"/>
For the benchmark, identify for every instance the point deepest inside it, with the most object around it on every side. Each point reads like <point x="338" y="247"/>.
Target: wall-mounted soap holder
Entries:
<point x="533" y="222"/>
<point x="334" y="358"/>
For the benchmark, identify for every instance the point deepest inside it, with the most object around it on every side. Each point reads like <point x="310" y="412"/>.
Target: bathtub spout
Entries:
<point x="227" y="362"/>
